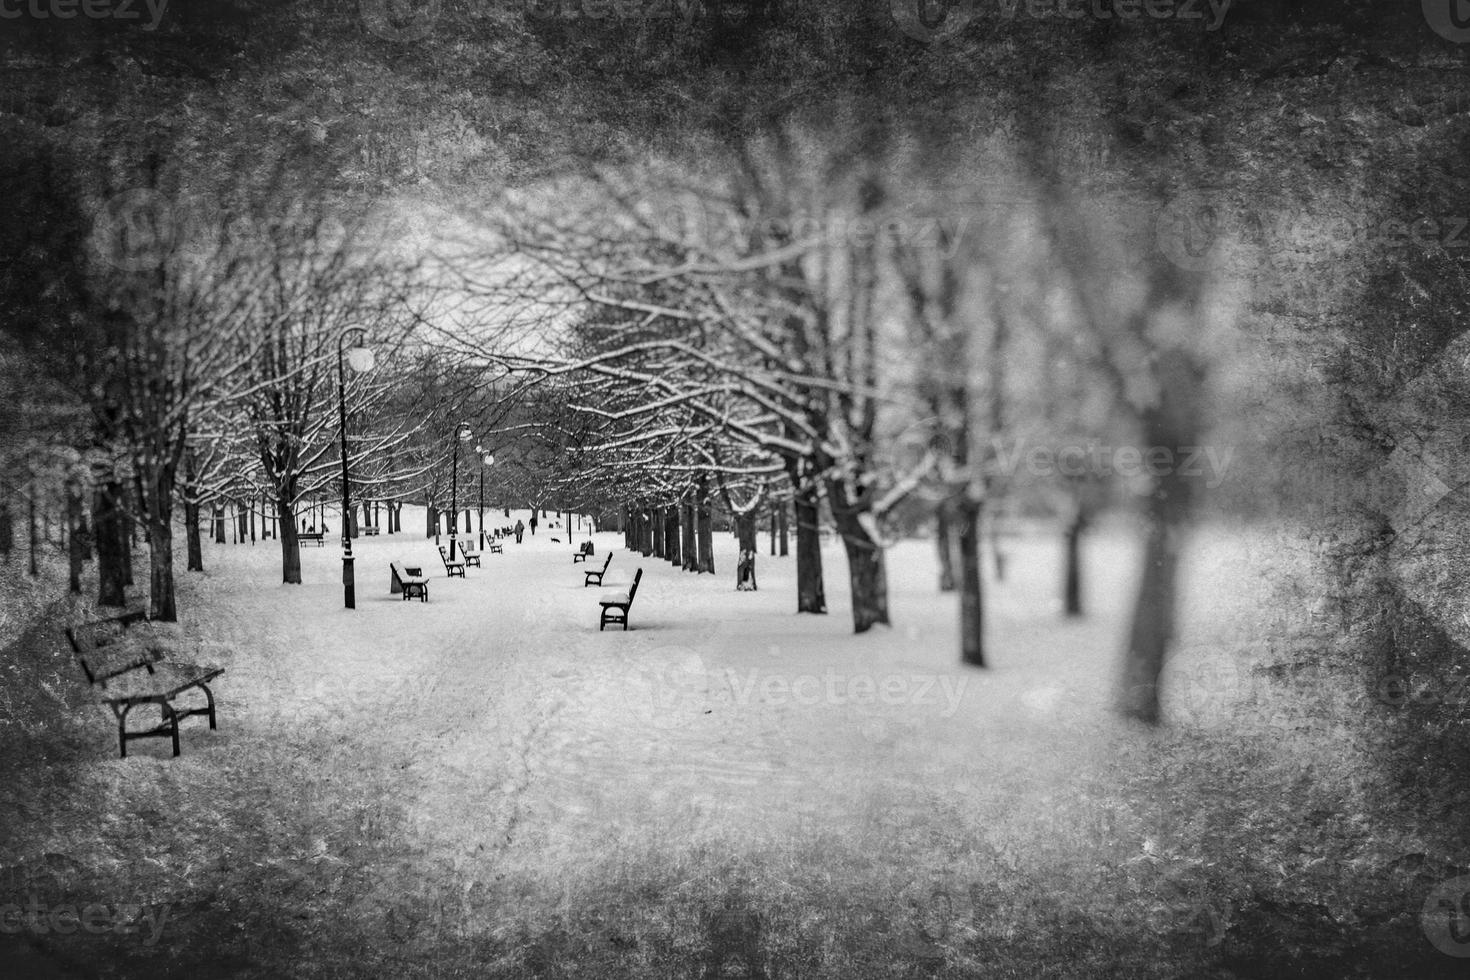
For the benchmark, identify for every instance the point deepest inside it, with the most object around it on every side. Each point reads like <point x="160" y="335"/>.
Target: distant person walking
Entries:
<point x="533" y="523"/>
<point x="521" y="529"/>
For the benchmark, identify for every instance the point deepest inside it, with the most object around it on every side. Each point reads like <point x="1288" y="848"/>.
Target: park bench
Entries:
<point x="318" y="536"/>
<point x="408" y="581"/>
<point x="594" y="577"/>
<point x="471" y="558"/>
<point x="370" y="530"/>
<point x="615" y="605"/>
<point x="125" y="672"/>
<point x="581" y="553"/>
<point x="495" y="547"/>
<point x="452" y="568"/>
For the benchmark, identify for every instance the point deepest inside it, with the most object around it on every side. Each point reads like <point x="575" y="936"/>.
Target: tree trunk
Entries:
<point x="745" y="531"/>
<point x="162" y="604"/>
<point x="1152" y="628"/>
<point x="705" y="534"/>
<point x="7" y="529"/>
<point x="1172" y="424"/>
<point x="690" y="543"/>
<point x="997" y="551"/>
<point x="290" y="543"/>
<point x="972" y="606"/>
<point x="773" y="531"/>
<point x="866" y="573"/>
<point x="76" y="540"/>
<point x="671" y="535"/>
<point x="126" y="528"/>
<point x="645" y="532"/>
<point x="811" y="595"/>
<point x="31" y="511"/>
<point x="1072" y="583"/>
<point x="944" y="540"/>
<point x="656" y="519"/>
<point x="783" y="521"/>
<point x="191" y="534"/>
<point x="106" y="520"/>
<point x="431" y="521"/>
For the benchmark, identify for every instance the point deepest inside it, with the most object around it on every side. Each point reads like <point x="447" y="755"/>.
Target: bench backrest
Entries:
<point x="606" y="562"/>
<point x="633" y="590"/>
<point x="89" y="641"/>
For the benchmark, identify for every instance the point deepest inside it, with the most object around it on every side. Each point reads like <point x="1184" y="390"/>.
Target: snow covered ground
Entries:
<point x="718" y="714"/>
<point x="486" y="778"/>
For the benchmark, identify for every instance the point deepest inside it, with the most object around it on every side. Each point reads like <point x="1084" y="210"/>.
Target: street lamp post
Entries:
<point x="361" y="359"/>
<point x="462" y="434"/>
<point x="486" y="459"/>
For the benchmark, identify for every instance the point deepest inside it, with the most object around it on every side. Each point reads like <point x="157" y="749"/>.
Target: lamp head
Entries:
<point x="361" y="359"/>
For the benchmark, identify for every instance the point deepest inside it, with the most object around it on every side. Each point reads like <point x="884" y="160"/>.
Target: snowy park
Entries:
<point x="717" y="489"/>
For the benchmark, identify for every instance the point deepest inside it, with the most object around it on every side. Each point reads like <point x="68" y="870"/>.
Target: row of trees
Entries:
<point x="790" y="324"/>
<point x="171" y="350"/>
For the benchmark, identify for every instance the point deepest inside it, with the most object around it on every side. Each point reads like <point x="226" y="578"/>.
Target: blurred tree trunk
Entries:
<point x="31" y="513"/>
<point x="111" y="543"/>
<point x="783" y="520"/>
<point x="158" y="496"/>
<point x="76" y="538"/>
<point x="972" y="605"/>
<point x="1172" y="423"/>
<point x="865" y="571"/>
<point x="944" y="542"/>
<point x="1072" y="585"/>
<point x="127" y="527"/>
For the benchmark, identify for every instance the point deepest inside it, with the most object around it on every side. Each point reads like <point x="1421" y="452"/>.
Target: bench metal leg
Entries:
<point x="173" y="719"/>
<point x="169" y="726"/>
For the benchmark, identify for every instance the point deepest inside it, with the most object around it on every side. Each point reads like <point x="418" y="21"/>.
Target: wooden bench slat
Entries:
<point x="166" y="681"/>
